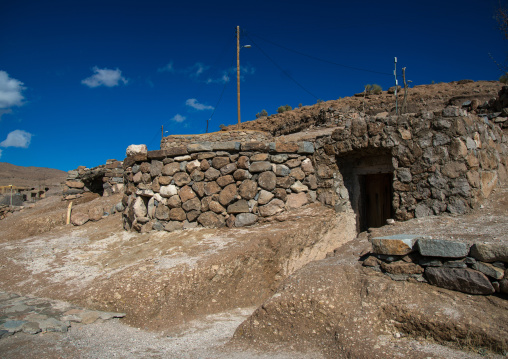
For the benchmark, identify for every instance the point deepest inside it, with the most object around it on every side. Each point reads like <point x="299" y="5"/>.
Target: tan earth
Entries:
<point x="291" y="287"/>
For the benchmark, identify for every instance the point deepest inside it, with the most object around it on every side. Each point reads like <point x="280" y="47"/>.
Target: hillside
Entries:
<point x="30" y="176"/>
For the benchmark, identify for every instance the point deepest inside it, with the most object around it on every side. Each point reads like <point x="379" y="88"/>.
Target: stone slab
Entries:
<point x="461" y="280"/>
<point x="397" y="245"/>
<point x="490" y="252"/>
<point x="442" y="248"/>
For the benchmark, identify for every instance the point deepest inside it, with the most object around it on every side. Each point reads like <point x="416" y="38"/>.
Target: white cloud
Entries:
<point x="104" y="77"/>
<point x="197" y="69"/>
<point x="10" y="91"/>
<point x="221" y="80"/>
<point x="178" y="118"/>
<point x="167" y="68"/>
<point x="17" y="138"/>
<point x="192" y="102"/>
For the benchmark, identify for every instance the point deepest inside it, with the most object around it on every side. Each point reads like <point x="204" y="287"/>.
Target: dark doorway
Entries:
<point x="378" y="199"/>
<point x="368" y="178"/>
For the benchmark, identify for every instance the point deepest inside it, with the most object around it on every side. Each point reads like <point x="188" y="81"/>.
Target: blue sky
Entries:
<point x="82" y="80"/>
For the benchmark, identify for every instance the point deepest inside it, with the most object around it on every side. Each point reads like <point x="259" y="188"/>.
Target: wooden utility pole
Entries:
<point x="162" y="132"/>
<point x="238" y="70"/>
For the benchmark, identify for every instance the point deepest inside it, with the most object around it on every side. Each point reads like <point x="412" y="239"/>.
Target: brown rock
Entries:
<point x="311" y="182"/>
<point x="164" y="180"/>
<point x="225" y="180"/>
<point x="401" y="267"/>
<point x="254" y="146"/>
<point x="211" y="220"/>
<point x="262" y="166"/>
<point x="193" y="204"/>
<point x="371" y="261"/>
<point x="296" y="200"/>
<point x="197" y="175"/>
<point x="162" y="212"/>
<point x="74" y="184"/>
<point x="259" y="157"/>
<point x="174" y="201"/>
<point x="307" y="166"/>
<point x="204" y="165"/>
<point x="170" y="169"/>
<point x="173" y="226"/>
<point x="229" y="168"/>
<point x="241" y="175"/>
<point x="243" y="162"/>
<point x="219" y="162"/>
<point x="240" y="206"/>
<point x="324" y="172"/>
<point x="264" y="197"/>
<point x="193" y="215"/>
<point x="397" y="245"/>
<point x="248" y="189"/>
<point x="199" y="188"/>
<point x="145" y="167"/>
<point x="216" y="207"/>
<point x="275" y="206"/>
<point x="267" y="180"/>
<point x="212" y="174"/>
<point x="454" y="169"/>
<point x="230" y="221"/>
<point x="297" y="174"/>
<point x="285" y="182"/>
<point x="211" y="188"/>
<point x="186" y="193"/>
<point x="181" y="179"/>
<point x="205" y="203"/>
<point x="286" y="147"/>
<point x="95" y="213"/>
<point x="462" y="280"/>
<point x="295" y="162"/>
<point x="228" y="194"/>
<point x="78" y="219"/>
<point x="488" y="180"/>
<point x="280" y="193"/>
<point x="192" y="165"/>
<point x="177" y="214"/>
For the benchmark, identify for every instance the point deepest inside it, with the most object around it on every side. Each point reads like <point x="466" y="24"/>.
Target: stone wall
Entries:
<point x="443" y="161"/>
<point x="217" y="184"/>
<point x="104" y="179"/>
<point x="215" y="137"/>
<point x="478" y="269"/>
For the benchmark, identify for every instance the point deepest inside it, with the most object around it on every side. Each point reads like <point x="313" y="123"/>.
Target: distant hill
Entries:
<point x="30" y="176"/>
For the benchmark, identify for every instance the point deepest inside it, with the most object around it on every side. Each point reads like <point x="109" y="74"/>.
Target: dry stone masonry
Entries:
<point x="214" y="184"/>
<point x="104" y="179"/>
<point x="381" y="166"/>
<point x="478" y="269"/>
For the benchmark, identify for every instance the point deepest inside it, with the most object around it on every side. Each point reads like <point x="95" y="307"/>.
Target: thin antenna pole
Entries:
<point x="396" y="86"/>
<point x="238" y="69"/>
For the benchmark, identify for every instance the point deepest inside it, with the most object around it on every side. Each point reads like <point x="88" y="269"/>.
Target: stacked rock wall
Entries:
<point x="443" y="161"/>
<point x="217" y="184"/>
<point x="478" y="269"/>
<point x="104" y="179"/>
<point x="222" y="136"/>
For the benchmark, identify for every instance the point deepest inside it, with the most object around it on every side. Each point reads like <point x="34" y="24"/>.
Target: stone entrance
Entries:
<point x="368" y="178"/>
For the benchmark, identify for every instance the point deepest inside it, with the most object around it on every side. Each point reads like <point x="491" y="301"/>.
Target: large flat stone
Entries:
<point x="462" y="280"/>
<point x="245" y="219"/>
<point x="442" y="248"/>
<point x="397" y="245"/>
<point x="490" y="252"/>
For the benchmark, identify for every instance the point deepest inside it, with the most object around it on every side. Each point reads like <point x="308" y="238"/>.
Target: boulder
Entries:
<point x="162" y="212"/>
<point x="489" y="270"/>
<point x="139" y="207"/>
<point x="212" y="174"/>
<point x="462" y="280"/>
<point x="216" y="207"/>
<point x="78" y="219"/>
<point x="96" y="213"/>
<point x="168" y="191"/>
<point x="170" y="169"/>
<point x="265" y="197"/>
<point x="223" y="181"/>
<point x="74" y="184"/>
<point x="219" y="162"/>
<point x="186" y="193"/>
<point x="181" y="179"/>
<point x="177" y="214"/>
<point x="211" y="188"/>
<point x="193" y="204"/>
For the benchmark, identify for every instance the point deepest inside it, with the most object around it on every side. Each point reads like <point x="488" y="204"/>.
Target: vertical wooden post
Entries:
<point x="162" y="132"/>
<point x="396" y="86"/>
<point x="238" y="69"/>
<point x="69" y="209"/>
<point x="404" y="103"/>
